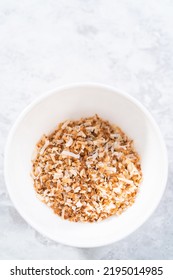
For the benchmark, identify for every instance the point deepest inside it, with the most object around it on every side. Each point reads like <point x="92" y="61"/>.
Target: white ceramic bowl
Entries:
<point x="74" y="102"/>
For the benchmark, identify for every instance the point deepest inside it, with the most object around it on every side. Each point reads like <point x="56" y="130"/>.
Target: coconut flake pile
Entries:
<point x="86" y="170"/>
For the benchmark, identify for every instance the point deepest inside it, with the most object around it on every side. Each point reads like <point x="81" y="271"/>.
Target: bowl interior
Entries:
<point x="73" y="103"/>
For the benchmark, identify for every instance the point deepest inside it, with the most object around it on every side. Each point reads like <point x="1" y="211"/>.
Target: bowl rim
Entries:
<point x="58" y="91"/>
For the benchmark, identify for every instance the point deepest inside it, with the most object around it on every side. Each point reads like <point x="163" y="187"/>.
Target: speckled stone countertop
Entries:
<point x="126" y="44"/>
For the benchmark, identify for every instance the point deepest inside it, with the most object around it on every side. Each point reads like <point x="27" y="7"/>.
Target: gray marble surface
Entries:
<point x="127" y="44"/>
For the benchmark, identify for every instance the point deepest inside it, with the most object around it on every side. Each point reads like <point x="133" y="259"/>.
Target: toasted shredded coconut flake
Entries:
<point x="38" y="170"/>
<point x="59" y="142"/>
<point x="67" y="189"/>
<point x="126" y="181"/>
<point x="79" y="204"/>
<point x="86" y="170"/>
<point x="76" y="190"/>
<point x="63" y="213"/>
<point x="82" y="134"/>
<point x="44" y="147"/>
<point x="82" y="173"/>
<point x="90" y="128"/>
<point x="73" y="172"/>
<point x="69" y="143"/>
<point x="70" y="154"/>
<point x="65" y="124"/>
<point x="58" y="175"/>
<point x="112" y="169"/>
<point x="114" y="135"/>
<point x="94" y="156"/>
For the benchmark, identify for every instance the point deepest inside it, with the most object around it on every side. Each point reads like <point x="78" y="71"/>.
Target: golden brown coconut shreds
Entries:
<point x="86" y="170"/>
